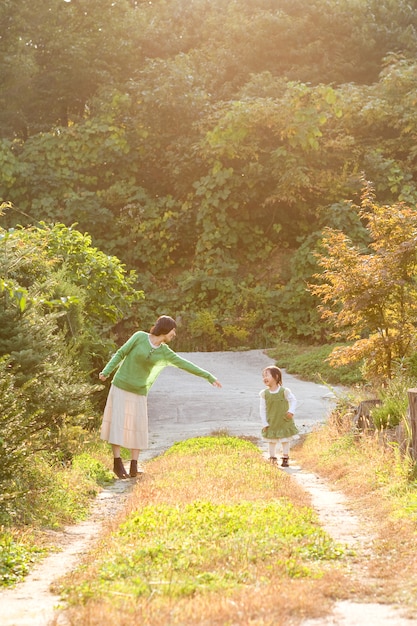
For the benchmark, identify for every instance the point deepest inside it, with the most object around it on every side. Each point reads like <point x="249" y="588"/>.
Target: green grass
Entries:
<point x="50" y="496"/>
<point x="16" y="558"/>
<point x="310" y="363"/>
<point x="181" y="550"/>
<point x="211" y="516"/>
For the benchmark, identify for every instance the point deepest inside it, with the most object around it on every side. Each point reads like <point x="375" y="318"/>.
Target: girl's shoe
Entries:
<point x="273" y="460"/>
<point x="119" y="468"/>
<point x="285" y="461"/>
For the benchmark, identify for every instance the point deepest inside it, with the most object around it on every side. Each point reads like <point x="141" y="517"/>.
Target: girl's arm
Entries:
<point x="292" y="401"/>
<point x="262" y="411"/>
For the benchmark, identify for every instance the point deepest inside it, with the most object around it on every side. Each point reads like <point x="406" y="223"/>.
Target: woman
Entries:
<point x="141" y="359"/>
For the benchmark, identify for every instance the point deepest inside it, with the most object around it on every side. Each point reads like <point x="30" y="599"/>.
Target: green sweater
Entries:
<point x="139" y="364"/>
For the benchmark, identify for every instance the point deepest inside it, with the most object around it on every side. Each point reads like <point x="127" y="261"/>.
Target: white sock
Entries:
<point x="272" y="449"/>
<point x="285" y="448"/>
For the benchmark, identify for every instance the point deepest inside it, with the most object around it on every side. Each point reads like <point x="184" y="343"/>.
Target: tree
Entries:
<point x="61" y="276"/>
<point x="369" y="295"/>
<point x="60" y="301"/>
<point x="55" y="55"/>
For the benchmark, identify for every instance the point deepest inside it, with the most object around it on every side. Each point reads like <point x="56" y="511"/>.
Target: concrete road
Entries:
<point x="183" y="406"/>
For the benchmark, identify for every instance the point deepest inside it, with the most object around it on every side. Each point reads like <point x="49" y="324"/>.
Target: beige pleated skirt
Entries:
<point x="125" y="419"/>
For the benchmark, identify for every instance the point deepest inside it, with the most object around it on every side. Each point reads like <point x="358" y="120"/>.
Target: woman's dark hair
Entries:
<point x="275" y="373"/>
<point x="163" y="325"/>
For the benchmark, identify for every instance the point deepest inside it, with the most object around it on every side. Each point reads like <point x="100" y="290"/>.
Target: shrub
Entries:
<point x="394" y="403"/>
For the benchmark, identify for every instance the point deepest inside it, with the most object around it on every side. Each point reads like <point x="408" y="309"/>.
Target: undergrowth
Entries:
<point x="310" y="363"/>
<point x="50" y="496"/>
<point x="378" y="474"/>
<point x="210" y="519"/>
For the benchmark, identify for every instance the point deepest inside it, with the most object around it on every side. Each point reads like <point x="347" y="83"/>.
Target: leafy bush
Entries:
<point x="394" y="403"/>
<point x="50" y="494"/>
<point x="16" y="558"/>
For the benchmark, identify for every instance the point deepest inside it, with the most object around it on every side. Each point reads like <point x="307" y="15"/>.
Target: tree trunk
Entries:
<point x="412" y="402"/>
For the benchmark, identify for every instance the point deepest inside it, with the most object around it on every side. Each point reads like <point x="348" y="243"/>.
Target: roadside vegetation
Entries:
<point x="379" y="477"/>
<point x="213" y="534"/>
<point x="212" y="531"/>
<point x="261" y="192"/>
<point x="47" y="496"/>
<point x="312" y="363"/>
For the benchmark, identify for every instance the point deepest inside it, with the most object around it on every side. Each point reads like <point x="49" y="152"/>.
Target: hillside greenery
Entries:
<point x="207" y="144"/>
<point x="248" y="166"/>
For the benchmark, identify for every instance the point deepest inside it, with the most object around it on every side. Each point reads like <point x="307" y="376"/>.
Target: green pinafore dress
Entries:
<point x="279" y="426"/>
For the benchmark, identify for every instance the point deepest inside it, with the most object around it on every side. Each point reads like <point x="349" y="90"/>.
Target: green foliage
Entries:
<point x="50" y="494"/>
<point x="192" y="141"/>
<point x="204" y="330"/>
<point x="58" y="271"/>
<point x="16" y="559"/>
<point x="312" y="363"/>
<point x="394" y="398"/>
<point x="59" y="297"/>
<point x="92" y="468"/>
<point x="215" y="444"/>
<point x="179" y="548"/>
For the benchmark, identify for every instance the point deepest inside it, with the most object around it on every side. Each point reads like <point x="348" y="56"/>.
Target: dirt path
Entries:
<point x="180" y="407"/>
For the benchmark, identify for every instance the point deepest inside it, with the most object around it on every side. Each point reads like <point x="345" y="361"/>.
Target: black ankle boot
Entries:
<point x="284" y="462"/>
<point x="119" y="468"/>
<point x="133" y="469"/>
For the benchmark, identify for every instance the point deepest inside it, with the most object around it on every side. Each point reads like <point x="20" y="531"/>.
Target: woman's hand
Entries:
<point x="216" y="384"/>
<point x="102" y="377"/>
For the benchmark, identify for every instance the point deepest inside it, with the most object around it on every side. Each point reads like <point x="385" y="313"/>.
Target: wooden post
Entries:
<point x="412" y="403"/>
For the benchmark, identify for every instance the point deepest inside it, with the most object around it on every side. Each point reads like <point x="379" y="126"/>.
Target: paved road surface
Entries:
<point x="194" y="408"/>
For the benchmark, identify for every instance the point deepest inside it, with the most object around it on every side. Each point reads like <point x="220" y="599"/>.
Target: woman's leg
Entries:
<point x="134" y="463"/>
<point x="118" y="467"/>
<point x="116" y="451"/>
<point x="134" y="455"/>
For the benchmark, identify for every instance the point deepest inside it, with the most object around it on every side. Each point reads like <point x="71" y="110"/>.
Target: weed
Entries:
<point x="211" y="517"/>
<point x="377" y="479"/>
<point x="16" y="558"/>
<point x="311" y="363"/>
<point x="92" y="468"/>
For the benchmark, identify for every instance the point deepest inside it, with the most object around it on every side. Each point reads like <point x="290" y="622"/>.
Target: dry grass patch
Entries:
<point x="212" y="535"/>
<point x="280" y="603"/>
<point x="376" y="477"/>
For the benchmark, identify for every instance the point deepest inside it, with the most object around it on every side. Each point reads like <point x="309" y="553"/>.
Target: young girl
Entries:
<point x="277" y="406"/>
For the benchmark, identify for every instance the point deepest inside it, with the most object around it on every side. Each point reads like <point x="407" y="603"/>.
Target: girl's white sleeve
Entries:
<point x="262" y="410"/>
<point x="291" y="399"/>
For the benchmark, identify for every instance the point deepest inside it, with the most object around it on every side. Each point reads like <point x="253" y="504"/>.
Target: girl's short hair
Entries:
<point x="275" y="373"/>
<point x="163" y="325"/>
